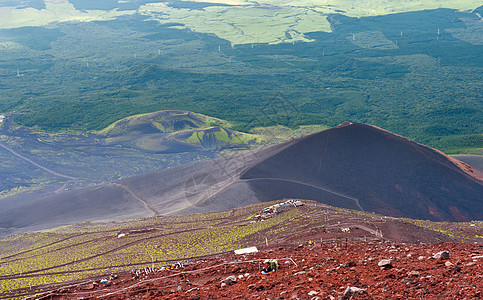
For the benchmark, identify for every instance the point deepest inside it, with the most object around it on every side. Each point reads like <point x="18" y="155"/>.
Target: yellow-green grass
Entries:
<point x="87" y="250"/>
<point x="459" y="230"/>
<point x="55" y="11"/>
<point x="278" y="134"/>
<point x="366" y="8"/>
<point x="222" y="135"/>
<point x="155" y="118"/>
<point x="243" y="21"/>
<point x="284" y="21"/>
<point x="246" y="24"/>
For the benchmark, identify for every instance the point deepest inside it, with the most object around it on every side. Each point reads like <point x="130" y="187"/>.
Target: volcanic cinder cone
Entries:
<point x="353" y="165"/>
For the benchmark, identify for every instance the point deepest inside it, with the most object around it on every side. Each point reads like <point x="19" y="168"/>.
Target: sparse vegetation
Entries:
<point x="92" y="249"/>
<point x="86" y="250"/>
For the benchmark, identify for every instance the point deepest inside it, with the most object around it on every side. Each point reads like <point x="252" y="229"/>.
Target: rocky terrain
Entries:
<point x="311" y="270"/>
<point x="320" y="250"/>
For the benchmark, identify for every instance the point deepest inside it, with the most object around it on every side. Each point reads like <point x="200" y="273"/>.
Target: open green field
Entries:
<point x="239" y="22"/>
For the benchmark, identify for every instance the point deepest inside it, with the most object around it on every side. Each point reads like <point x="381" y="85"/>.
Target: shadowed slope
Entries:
<point x="385" y="172"/>
<point x="353" y="166"/>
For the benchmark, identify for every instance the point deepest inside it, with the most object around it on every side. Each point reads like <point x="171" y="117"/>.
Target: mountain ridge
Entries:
<point x="355" y="166"/>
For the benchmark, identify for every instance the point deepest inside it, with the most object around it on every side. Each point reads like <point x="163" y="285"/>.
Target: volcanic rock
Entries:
<point x="351" y="290"/>
<point x="385" y="263"/>
<point x="229" y="280"/>
<point x="441" y="255"/>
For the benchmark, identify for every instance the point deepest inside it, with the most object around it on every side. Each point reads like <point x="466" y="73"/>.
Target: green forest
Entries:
<point x="415" y="74"/>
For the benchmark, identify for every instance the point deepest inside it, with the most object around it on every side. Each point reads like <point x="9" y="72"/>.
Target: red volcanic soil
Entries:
<point x="320" y="271"/>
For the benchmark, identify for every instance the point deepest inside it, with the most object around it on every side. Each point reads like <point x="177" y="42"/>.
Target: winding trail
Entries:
<point x="144" y="202"/>
<point x="225" y="184"/>
<point x="36" y="164"/>
<point x="35" y="273"/>
<point x="356" y="201"/>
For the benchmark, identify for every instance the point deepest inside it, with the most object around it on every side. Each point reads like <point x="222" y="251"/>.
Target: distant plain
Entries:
<point x="68" y="70"/>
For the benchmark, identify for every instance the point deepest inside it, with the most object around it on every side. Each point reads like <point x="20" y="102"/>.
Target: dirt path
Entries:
<point x="356" y="201"/>
<point x="144" y="202"/>
<point x="55" y="250"/>
<point x="34" y="273"/>
<point x="35" y="164"/>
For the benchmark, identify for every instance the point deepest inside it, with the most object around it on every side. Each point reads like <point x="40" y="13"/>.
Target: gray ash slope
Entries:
<point x="353" y="165"/>
<point x="361" y="167"/>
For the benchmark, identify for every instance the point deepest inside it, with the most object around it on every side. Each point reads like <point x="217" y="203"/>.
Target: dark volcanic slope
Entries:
<point x="353" y="165"/>
<point x="384" y="172"/>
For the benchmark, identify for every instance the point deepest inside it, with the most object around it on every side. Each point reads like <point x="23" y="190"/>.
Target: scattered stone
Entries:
<point x="385" y="263"/>
<point x="313" y="293"/>
<point x="300" y="273"/>
<point x="414" y="273"/>
<point x="179" y="288"/>
<point x="229" y="280"/>
<point x="223" y="284"/>
<point x="448" y="264"/>
<point x="349" y="264"/>
<point x="352" y="290"/>
<point x="196" y="297"/>
<point x="441" y="255"/>
<point x="193" y="289"/>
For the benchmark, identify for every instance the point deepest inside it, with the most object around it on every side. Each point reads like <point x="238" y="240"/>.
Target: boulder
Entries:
<point x="229" y="280"/>
<point x="352" y="290"/>
<point x="385" y="263"/>
<point x="441" y="255"/>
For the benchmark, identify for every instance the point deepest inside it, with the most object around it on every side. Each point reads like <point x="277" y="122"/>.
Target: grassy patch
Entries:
<point x="84" y="250"/>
